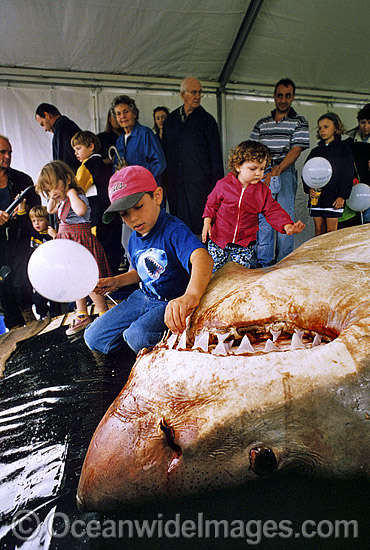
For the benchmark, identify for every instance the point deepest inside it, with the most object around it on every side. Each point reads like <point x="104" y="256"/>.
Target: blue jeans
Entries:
<point x="266" y="235"/>
<point x="366" y="215"/>
<point x="138" y="321"/>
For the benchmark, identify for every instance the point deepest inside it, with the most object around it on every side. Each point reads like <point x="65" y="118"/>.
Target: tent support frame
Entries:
<point x="243" y="33"/>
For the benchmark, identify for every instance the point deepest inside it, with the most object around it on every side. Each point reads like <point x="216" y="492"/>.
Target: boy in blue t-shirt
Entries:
<point x="172" y="266"/>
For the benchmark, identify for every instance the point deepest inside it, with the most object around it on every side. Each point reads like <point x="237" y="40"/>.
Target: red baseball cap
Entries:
<point x="126" y="188"/>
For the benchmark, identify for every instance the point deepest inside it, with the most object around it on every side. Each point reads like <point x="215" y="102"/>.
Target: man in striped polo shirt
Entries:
<point x="286" y="134"/>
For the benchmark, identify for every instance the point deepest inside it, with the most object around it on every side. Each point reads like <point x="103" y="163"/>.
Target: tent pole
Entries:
<point x="243" y="33"/>
<point x="221" y="117"/>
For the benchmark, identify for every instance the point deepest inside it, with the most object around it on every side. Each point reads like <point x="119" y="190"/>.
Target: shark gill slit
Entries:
<point x="170" y="436"/>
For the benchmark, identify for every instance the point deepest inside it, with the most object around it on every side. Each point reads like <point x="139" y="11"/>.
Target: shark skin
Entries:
<point x="283" y="383"/>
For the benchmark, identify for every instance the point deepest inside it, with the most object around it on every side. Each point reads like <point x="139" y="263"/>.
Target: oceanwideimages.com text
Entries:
<point x="26" y="526"/>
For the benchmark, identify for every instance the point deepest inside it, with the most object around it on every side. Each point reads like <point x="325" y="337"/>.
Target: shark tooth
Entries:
<point x="316" y="340"/>
<point x="171" y="341"/>
<point x="270" y="346"/>
<point x="182" y="341"/>
<point x="229" y="345"/>
<point x="275" y="334"/>
<point x="297" y="341"/>
<point x="201" y="341"/>
<point x="221" y="349"/>
<point x="245" y="346"/>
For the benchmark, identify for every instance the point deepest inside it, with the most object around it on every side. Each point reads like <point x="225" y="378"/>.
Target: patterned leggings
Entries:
<point x="243" y="255"/>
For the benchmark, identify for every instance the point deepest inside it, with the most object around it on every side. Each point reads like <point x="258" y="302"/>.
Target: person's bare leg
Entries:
<point x="331" y="224"/>
<point x="100" y="302"/>
<point x="81" y="320"/>
<point x="320" y="226"/>
<point x="81" y="305"/>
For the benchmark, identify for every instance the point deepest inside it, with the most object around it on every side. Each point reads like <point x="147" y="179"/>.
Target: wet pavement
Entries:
<point x="53" y="394"/>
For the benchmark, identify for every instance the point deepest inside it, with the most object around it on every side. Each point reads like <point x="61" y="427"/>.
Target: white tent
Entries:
<point x="79" y="54"/>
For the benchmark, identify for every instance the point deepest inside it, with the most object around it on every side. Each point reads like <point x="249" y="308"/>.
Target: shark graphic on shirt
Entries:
<point x="151" y="264"/>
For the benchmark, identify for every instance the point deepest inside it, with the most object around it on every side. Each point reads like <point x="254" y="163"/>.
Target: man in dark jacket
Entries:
<point x="15" y="288"/>
<point x="191" y="143"/>
<point x="49" y="118"/>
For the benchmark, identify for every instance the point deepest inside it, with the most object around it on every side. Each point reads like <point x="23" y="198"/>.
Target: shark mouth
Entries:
<point x="153" y="268"/>
<point x="277" y="337"/>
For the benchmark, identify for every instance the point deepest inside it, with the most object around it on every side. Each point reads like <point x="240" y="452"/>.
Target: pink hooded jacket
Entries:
<point x="234" y="211"/>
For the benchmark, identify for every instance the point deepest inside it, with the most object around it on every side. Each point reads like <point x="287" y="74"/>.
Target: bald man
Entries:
<point x="15" y="288"/>
<point x="191" y="143"/>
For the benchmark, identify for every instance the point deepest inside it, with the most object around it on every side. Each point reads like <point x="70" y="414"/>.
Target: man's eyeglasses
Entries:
<point x="195" y="92"/>
<point x="5" y="151"/>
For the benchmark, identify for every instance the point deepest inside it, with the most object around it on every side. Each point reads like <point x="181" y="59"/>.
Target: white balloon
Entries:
<point x="359" y="199"/>
<point x="63" y="270"/>
<point x="317" y="172"/>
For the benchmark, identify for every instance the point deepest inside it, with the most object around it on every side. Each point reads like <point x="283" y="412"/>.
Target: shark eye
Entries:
<point x="262" y="461"/>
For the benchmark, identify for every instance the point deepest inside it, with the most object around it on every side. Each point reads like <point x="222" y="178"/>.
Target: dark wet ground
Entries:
<point x="53" y="394"/>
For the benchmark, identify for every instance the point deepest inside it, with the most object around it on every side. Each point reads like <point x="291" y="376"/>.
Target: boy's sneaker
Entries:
<point x="79" y="324"/>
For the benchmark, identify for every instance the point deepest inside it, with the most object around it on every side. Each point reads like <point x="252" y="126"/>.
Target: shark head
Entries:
<point x="272" y="373"/>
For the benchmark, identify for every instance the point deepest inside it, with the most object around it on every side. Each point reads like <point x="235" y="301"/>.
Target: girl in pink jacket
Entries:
<point x="231" y="212"/>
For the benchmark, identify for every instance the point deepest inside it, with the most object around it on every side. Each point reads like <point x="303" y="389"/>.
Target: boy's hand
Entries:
<point x="206" y="231"/>
<point x="178" y="310"/>
<point x="293" y="228"/>
<point x="107" y="284"/>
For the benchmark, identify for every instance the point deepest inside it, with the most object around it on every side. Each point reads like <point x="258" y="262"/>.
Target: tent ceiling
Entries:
<point x="167" y="38"/>
<point x="321" y="44"/>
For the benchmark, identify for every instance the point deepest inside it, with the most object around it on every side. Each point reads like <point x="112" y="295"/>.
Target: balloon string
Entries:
<point x="357" y="174"/>
<point x="111" y="299"/>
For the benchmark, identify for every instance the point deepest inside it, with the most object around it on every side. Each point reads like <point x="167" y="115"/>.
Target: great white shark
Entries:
<point x="272" y="372"/>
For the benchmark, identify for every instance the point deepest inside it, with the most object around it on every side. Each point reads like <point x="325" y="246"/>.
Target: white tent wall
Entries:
<point x="31" y="144"/>
<point x="88" y="107"/>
